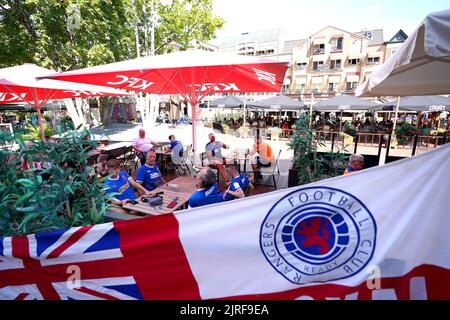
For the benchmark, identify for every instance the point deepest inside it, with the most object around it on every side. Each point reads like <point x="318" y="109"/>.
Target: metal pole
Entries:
<point x="41" y="126"/>
<point x="380" y="145"/>
<point x="194" y="132"/>
<point x="387" y="148"/>
<point x="356" y="142"/>
<point x="395" y="115"/>
<point x="244" y="111"/>
<point x="416" y="138"/>
<point x="332" y="141"/>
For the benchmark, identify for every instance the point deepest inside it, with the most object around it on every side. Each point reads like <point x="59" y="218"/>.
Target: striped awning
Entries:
<point x="300" y="80"/>
<point x="334" y="79"/>
<point x="352" y="78"/>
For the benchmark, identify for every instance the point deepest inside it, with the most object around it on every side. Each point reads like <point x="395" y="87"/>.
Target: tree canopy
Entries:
<point x="71" y="34"/>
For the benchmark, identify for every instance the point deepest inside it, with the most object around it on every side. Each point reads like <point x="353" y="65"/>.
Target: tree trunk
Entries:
<point x="136" y="29"/>
<point x="144" y="12"/>
<point x="106" y="110"/>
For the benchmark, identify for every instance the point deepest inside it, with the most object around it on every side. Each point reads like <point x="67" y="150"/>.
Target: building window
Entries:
<point x="373" y="60"/>
<point x="336" y="44"/>
<point x="333" y="86"/>
<point x="351" y="86"/>
<point x="302" y="66"/>
<point x="300" y="87"/>
<point x="285" y="88"/>
<point x="265" y="52"/>
<point x="335" y="64"/>
<point x="318" y="66"/>
<point x="318" y="49"/>
<point x="353" y="62"/>
<point x="316" y="87"/>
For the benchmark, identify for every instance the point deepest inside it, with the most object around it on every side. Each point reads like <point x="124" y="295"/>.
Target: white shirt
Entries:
<point x="142" y="144"/>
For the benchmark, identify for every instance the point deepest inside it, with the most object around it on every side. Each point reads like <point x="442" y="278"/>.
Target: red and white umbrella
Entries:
<point x="193" y="74"/>
<point x="21" y="84"/>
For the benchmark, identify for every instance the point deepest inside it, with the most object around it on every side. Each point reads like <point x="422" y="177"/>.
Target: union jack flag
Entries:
<point x="39" y="266"/>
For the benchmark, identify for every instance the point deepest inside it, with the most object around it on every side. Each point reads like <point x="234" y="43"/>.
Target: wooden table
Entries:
<point x="115" y="149"/>
<point x="181" y="187"/>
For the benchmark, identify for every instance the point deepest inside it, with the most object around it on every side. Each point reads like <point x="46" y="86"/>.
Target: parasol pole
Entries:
<point x="194" y="106"/>
<point x="395" y="115"/>
<point x="41" y="126"/>
<point x="38" y="105"/>
<point x="244" y="111"/>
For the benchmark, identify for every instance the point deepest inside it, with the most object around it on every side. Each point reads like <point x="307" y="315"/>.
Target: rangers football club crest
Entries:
<point x="318" y="234"/>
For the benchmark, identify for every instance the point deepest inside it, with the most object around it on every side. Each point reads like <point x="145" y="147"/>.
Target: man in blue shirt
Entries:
<point x="175" y="146"/>
<point x="246" y="181"/>
<point x="120" y="182"/>
<point x="235" y="189"/>
<point x="208" y="192"/>
<point x="149" y="175"/>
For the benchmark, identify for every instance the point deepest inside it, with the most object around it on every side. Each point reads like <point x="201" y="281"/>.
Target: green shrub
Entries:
<point x="61" y="196"/>
<point x="310" y="165"/>
<point x="405" y="131"/>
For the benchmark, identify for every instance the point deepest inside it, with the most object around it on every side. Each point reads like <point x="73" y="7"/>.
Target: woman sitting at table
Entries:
<point x="121" y="183"/>
<point x="149" y="175"/>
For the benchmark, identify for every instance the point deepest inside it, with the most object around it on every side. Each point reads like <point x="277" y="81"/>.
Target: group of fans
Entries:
<point x="149" y="175"/>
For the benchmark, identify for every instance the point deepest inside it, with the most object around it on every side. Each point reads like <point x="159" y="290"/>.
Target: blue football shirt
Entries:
<point x="235" y="185"/>
<point x="121" y="186"/>
<point x="150" y="177"/>
<point x="203" y="197"/>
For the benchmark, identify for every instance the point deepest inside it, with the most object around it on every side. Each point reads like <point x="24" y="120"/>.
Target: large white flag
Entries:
<point x="380" y="233"/>
<point x="377" y="233"/>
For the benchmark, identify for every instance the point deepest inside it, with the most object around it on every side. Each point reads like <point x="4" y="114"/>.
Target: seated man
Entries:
<point x="142" y="145"/>
<point x="235" y="189"/>
<point x="148" y="175"/>
<point x="208" y="192"/>
<point x="120" y="182"/>
<point x="175" y="146"/>
<point x="215" y="159"/>
<point x="262" y="156"/>
<point x="355" y="163"/>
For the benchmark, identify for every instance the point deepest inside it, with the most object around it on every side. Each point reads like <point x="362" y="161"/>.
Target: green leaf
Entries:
<point x="24" y="197"/>
<point x="27" y="183"/>
<point x="26" y="209"/>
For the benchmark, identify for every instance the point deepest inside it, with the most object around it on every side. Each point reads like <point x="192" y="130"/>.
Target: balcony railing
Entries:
<point x="317" y="51"/>
<point x="335" y="50"/>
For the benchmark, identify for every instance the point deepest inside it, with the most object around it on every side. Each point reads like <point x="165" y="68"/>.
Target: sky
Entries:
<point x="302" y="18"/>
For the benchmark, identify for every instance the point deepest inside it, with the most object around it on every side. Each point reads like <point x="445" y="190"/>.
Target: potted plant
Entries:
<point x="62" y="194"/>
<point x="308" y="164"/>
<point x="404" y="132"/>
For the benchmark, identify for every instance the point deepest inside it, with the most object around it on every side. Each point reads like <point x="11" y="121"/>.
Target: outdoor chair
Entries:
<point x="183" y="167"/>
<point x="271" y="171"/>
<point x="129" y="160"/>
